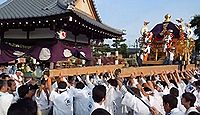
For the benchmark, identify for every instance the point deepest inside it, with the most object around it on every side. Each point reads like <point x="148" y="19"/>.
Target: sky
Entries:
<point x="130" y="14"/>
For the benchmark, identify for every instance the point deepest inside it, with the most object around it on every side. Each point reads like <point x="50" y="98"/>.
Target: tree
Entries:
<point x="117" y="42"/>
<point x="120" y="46"/>
<point x="101" y="50"/>
<point x="123" y="50"/>
<point x="195" y="23"/>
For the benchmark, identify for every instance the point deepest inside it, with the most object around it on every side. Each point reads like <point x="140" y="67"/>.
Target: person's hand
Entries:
<point x="41" y="87"/>
<point x="198" y="108"/>
<point x="154" y="111"/>
<point x="119" y="81"/>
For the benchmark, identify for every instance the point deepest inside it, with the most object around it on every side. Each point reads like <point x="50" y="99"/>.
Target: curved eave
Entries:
<point x="99" y="25"/>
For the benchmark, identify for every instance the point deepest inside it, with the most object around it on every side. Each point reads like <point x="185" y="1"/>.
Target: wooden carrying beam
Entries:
<point x="126" y="72"/>
<point x="83" y="70"/>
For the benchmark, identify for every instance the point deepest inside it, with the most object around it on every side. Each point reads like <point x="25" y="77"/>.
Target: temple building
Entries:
<point x="51" y="30"/>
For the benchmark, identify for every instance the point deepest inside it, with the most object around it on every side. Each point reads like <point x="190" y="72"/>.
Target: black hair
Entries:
<point x="185" y="81"/>
<point x="24" y="106"/>
<point x="2" y="83"/>
<point x="23" y="90"/>
<point x="163" y="83"/>
<point x="33" y="87"/>
<point x="197" y="83"/>
<point x="174" y="82"/>
<point x="100" y="111"/>
<point x="106" y="75"/>
<point x="98" y="93"/>
<point x="62" y="85"/>
<point x="189" y="97"/>
<point x="147" y="89"/>
<point x="80" y="85"/>
<point x="171" y="100"/>
<point x="113" y="82"/>
<point x="136" y="91"/>
<point x="148" y="78"/>
<point x="153" y="77"/>
<point x="174" y="91"/>
<point x="43" y="81"/>
<point x="193" y="113"/>
<point x="4" y="76"/>
<point x="9" y="82"/>
<point x="71" y="79"/>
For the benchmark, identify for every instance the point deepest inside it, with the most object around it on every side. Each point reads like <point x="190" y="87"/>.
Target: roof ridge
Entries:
<point x="6" y="3"/>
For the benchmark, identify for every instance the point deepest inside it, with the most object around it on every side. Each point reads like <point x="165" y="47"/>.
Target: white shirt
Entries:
<point x="42" y="101"/>
<point x="113" y="101"/>
<point x="96" y="106"/>
<point x="191" y="109"/>
<point x="142" y="56"/>
<point x="171" y="56"/>
<point x="138" y="107"/>
<point x="180" y="106"/>
<point x="5" y="102"/>
<point x="176" y="111"/>
<point x="157" y="102"/>
<point x="82" y="101"/>
<point x="148" y="49"/>
<point x="62" y="103"/>
<point x="197" y="95"/>
<point x="55" y="85"/>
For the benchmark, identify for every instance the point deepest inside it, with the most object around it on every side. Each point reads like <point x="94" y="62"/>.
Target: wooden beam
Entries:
<point x="83" y="70"/>
<point x="126" y="72"/>
<point x="147" y="70"/>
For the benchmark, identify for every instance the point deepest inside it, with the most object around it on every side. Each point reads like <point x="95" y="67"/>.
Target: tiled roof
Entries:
<point x="26" y="9"/>
<point x="16" y="9"/>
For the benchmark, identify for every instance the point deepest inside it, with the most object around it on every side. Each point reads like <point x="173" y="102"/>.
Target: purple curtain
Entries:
<point x="56" y="50"/>
<point x="6" y="53"/>
<point x="85" y="53"/>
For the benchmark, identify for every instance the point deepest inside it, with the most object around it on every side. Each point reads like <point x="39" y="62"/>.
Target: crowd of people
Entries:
<point x="167" y="93"/>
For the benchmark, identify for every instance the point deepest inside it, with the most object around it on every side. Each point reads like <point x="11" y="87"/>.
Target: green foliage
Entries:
<point x="117" y="42"/>
<point x="121" y="46"/>
<point x="195" y="23"/>
<point x="101" y="50"/>
<point x="123" y="50"/>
